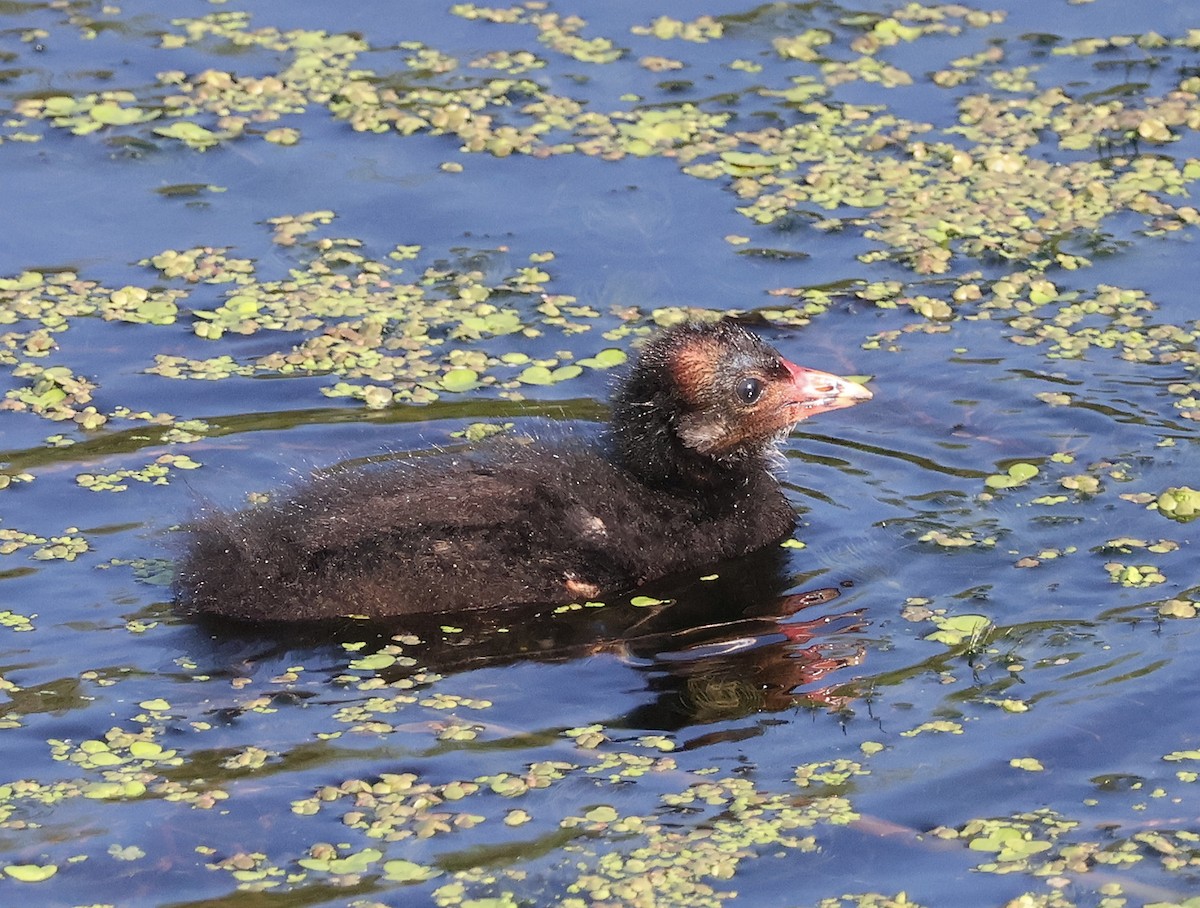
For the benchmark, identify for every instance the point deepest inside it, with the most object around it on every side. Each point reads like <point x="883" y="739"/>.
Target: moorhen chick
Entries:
<point x="682" y="479"/>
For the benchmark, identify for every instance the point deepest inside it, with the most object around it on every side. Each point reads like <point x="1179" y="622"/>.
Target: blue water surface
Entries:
<point x="249" y="768"/>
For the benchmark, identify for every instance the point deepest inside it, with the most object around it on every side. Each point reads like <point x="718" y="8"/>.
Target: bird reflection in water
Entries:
<point x="727" y="646"/>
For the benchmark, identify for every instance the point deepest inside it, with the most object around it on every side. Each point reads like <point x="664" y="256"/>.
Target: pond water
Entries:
<point x="249" y="240"/>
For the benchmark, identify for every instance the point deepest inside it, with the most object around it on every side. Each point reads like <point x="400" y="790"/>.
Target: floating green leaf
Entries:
<point x="605" y="359"/>
<point x="191" y="134"/>
<point x="373" y="662"/>
<point x="1179" y="503"/>
<point x="541" y="375"/>
<point x="1010" y="843"/>
<point x="30" y="873"/>
<point x="1178" y="608"/>
<point x="1018" y="474"/>
<point x="401" y="871"/>
<point x="109" y="113"/>
<point x="460" y="380"/>
<point x="536" y="375"/>
<point x="742" y="163"/>
<point x="1179" y="755"/>
<point x="953" y="631"/>
<point x="353" y="863"/>
<point x="602" y="814"/>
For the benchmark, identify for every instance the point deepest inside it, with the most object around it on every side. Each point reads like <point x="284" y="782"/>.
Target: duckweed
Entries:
<point x="30" y="873"/>
<point x="957" y="629"/>
<point x="1180" y="503"/>
<point x="1016" y="475"/>
<point x="16" y="622"/>
<point x="1142" y="575"/>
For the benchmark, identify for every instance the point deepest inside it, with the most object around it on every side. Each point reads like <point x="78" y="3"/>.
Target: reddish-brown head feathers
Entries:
<point x="714" y="398"/>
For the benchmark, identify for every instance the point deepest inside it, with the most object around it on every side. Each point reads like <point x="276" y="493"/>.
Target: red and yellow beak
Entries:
<point x="813" y="392"/>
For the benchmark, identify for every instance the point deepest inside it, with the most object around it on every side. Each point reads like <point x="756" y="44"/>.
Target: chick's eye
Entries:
<point x="749" y="390"/>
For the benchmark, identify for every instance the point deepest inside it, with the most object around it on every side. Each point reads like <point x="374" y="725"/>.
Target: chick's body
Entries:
<point x="682" y="480"/>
